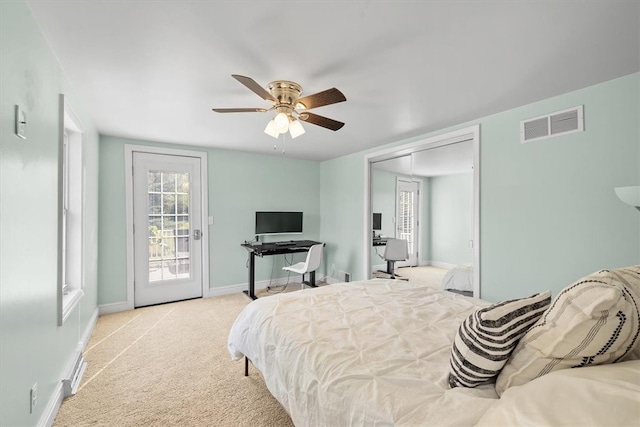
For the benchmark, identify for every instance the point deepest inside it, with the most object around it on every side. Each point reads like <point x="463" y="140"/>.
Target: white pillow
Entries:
<point x="605" y="395"/>
<point x="593" y="321"/>
<point x="630" y="278"/>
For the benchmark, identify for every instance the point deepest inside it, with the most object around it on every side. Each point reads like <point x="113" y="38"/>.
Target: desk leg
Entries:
<point x="252" y="276"/>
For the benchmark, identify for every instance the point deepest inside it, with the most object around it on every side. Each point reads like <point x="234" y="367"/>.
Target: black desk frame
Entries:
<point x="292" y="247"/>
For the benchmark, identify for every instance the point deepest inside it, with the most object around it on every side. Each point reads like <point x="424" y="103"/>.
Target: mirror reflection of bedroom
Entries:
<point x="426" y="198"/>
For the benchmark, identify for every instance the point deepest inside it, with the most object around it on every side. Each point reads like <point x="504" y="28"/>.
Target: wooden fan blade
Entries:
<point x="325" y="122"/>
<point x="255" y="87"/>
<point x="326" y="97"/>
<point x="240" y="110"/>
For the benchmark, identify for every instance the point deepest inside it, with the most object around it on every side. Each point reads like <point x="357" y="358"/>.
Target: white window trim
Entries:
<point x="69" y="297"/>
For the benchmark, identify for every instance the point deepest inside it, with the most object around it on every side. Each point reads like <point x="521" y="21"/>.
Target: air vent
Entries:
<point x="558" y="123"/>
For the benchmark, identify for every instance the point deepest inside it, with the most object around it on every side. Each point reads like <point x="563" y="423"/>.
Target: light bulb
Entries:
<point x="295" y="129"/>
<point x="271" y="129"/>
<point x="282" y="122"/>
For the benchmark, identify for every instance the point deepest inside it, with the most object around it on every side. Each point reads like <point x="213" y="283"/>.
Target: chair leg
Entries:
<point x="246" y="366"/>
<point x="302" y="282"/>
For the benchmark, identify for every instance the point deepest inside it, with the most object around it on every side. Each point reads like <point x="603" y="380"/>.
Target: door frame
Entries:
<point x="471" y="133"/>
<point x="129" y="149"/>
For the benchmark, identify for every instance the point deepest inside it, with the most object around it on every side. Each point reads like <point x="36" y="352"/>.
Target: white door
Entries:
<point x="167" y="228"/>
<point x="407" y="218"/>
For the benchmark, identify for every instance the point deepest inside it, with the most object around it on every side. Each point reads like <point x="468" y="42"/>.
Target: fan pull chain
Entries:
<point x="284" y="144"/>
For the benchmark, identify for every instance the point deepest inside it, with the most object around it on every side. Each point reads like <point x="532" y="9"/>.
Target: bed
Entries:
<point x="459" y="278"/>
<point x="379" y="352"/>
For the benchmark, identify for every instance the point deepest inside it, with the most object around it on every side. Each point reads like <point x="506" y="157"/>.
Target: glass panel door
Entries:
<point x="167" y="228"/>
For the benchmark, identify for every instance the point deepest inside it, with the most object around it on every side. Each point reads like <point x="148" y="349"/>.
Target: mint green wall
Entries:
<point x="548" y="212"/>
<point x="33" y="347"/>
<point x="451" y="218"/>
<point x="341" y="201"/>
<point x="239" y="184"/>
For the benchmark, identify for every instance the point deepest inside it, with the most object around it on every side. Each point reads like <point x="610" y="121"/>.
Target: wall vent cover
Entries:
<point x="554" y="124"/>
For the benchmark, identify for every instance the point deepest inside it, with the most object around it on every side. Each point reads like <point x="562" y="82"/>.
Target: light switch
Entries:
<point x="21" y="123"/>
<point x="210" y="220"/>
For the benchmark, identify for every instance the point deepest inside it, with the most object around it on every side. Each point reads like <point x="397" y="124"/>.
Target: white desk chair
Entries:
<point x="314" y="256"/>
<point x="395" y="250"/>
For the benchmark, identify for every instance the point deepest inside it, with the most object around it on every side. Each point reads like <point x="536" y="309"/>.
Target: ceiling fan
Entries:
<point x="291" y="108"/>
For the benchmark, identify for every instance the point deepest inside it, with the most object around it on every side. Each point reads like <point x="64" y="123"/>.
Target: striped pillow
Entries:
<point x="487" y="337"/>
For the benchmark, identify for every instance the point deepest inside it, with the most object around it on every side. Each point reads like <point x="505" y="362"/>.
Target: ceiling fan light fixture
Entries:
<point x="296" y="129"/>
<point x="271" y="129"/>
<point x="281" y="122"/>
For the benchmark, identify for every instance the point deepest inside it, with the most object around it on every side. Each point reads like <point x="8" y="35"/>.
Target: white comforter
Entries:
<point x="361" y="353"/>
<point x="459" y="278"/>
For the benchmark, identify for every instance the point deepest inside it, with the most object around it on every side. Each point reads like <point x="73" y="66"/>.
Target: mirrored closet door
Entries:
<point x="426" y="198"/>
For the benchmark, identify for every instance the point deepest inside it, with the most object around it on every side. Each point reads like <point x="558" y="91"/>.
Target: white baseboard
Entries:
<point x="421" y="263"/>
<point x="219" y="291"/>
<point x="84" y="339"/>
<point x="53" y="406"/>
<point x="226" y="290"/>
<point x="330" y="280"/>
<point x="114" y="307"/>
<point x="442" y="264"/>
<point x="54" y="403"/>
<point x="236" y="289"/>
<point x="261" y="284"/>
<point x="377" y="267"/>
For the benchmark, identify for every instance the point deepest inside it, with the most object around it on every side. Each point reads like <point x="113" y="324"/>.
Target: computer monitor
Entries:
<point x="278" y="223"/>
<point x="377" y="221"/>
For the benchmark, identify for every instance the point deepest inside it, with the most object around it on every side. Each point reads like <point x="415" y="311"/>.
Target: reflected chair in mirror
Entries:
<point x="311" y="264"/>
<point x="395" y="250"/>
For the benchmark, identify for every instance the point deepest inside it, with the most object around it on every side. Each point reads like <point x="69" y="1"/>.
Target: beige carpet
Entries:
<point x="168" y="365"/>
<point x="427" y="275"/>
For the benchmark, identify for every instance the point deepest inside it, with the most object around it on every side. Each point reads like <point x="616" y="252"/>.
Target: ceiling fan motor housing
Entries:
<point x="286" y="92"/>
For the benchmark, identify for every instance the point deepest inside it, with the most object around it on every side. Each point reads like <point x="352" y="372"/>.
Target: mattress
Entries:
<point x="459" y="278"/>
<point x="372" y="352"/>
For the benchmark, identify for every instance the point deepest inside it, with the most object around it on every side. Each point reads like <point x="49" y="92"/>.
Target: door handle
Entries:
<point x="197" y="234"/>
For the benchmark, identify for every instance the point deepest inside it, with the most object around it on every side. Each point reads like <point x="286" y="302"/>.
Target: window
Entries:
<point x="71" y="213"/>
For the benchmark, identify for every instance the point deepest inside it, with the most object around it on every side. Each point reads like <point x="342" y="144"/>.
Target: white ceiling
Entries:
<point x="152" y="70"/>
